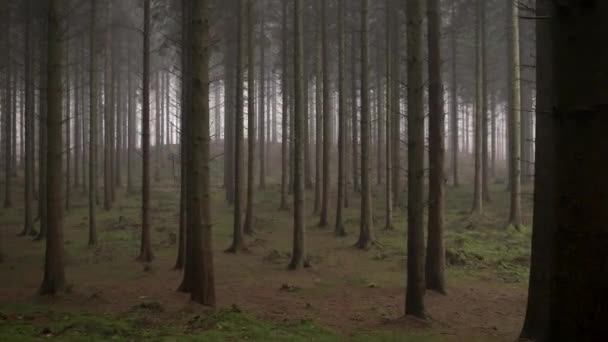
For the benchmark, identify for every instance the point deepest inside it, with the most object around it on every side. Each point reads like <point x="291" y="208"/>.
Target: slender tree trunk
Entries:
<point x="157" y="120"/>
<point x="414" y="301"/>
<point x="78" y="115"/>
<point x="145" y="252"/>
<point x="54" y="276"/>
<point x="396" y="123"/>
<point x="366" y="228"/>
<point x="9" y="115"/>
<point x="323" y="222"/>
<point x="68" y="122"/>
<point x="299" y="258"/>
<point x="108" y="180"/>
<point x="131" y="122"/>
<point x="28" y="228"/>
<point x="479" y="113"/>
<point x="354" y="110"/>
<point x="318" y="108"/>
<point x="93" y="126"/>
<point x="229" y="115"/>
<point x="388" y="225"/>
<point x="455" y="150"/>
<point x="262" y="99"/>
<point x="285" y="111"/>
<point x="339" y="229"/>
<point x="251" y="132"/>
<point x="514" y="115"/>
<point x="199" y="207"/>
<point x="435" y="256"/>
<point x="237" y="235"/>
<point x="485" y="156"/>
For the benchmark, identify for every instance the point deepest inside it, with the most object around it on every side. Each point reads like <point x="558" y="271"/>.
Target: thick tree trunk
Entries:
<point x="237" y="234"/>
<point x="145" y="251"/>
<point x="366" y="228"/>
<point x="298" y="255"/>
<point x="199" y="206"/>
<point x="435" y="256"/>
<point x="414" y="300"/>
<point x="68" y="122"/>
<point x="54" y="276"/>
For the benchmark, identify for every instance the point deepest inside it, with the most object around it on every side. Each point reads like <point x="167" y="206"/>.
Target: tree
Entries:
<point x="54" y="276"/>
<point x="237" y="234"/>
<point x="285" y="110"/>
<point x="298" y="255"/>
<point x="479" y="94"/>
<point x="28" y="228"/>
<point x="262" y="101"/>
<point x="435" y="256"/>
<point x="323" y="221"/>
<point x="318" y="107"/>
<point x="366" y="229"/>
<point x="414" y="300"/>
<point x="199" y="208"/>
<point x="388" y="225"/>
<point x="92" y="126"/>
<point x="108" y="101"/>
<point x="145" y="251"/>
<point x="454" y="153"/>
<point x="514" y="108"/>
<point x="339" y="228"/>
<point x="574" y="235"/>
<point x="248" y="227"/>
<point x="7" y="113"/>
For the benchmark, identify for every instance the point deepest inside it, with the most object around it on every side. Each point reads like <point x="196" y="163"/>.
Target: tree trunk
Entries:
<point x="93" y="126"/>
<point x="237" y="234"/>
<point x="68" y="121"/>
<point x="54" y="276"/>
<point x="414" y="301"/>
<point x="435" y="257"/>
<point x="248" y="227"/>
<point x="479" y="113"/>
<point x="8" y="115"/>
<point x="285" y="111"/>
<point x="108" y="180"/>
<point x="389" y="119"/>
<point x="199" y="195"/>
<point x="145" y="252"/>
<point x="131" y="122"/>
<point x="339" y="228"/>
<point x="323" y="222"/>
<point x="298" y="255"/>
<point x="485" y="181"/>
<point x="262" y="99"/>
<point x="28" y="228"/>
<point x="396" y="105"/>
<point x="514" y="109"/>
<point x="318" y="108"/>
<point x="366" y="228"/>
<point x="455" y="150"/>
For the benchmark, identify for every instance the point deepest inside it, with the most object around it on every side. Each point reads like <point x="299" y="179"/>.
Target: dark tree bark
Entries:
<point x="435" y="256"/>
<point x="318" y="108"/>
<point x="68" y="122"/>
<point x="366" y="228"/>
<point x="479" y="113"/>
<point x="199" y="207"/>
<point x="414" y="300"/>
<point x="93" y="126"/>
<point x="28" y="228"/>
<point x="54" y="276"/>
<point x="262" y="100"/>
<point x="388" y="225"/>
<point x="108" y="101"/>
<point x="298" y="255"/>
<point x="285" y="111"/>
<point x="323" y="221"/>
<point x="237" y="234"/>
<point x="454" y="139"/>
<point x="8" y="114"/>
<point x="248" y="226"/>
<point x="145" y="252"/>
<point x="339" y="229"/>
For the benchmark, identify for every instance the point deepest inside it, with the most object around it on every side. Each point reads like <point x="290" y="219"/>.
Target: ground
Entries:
<point x="348" y="294"/>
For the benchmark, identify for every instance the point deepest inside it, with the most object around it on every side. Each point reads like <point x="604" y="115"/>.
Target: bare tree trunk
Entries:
<point x="54" y="276"/>
<point x="396" y="123"/>
<point x="145" y="252"/>
<point x="299" y="258"/>
<point x="251" y="132"/>
<point x="323" y="222"/>
<point x="455" y="150"/>
<point x="9" y="115"/>
<point x="485" y="176"/>
<point x="68" y="122"/>
<point x="131" y="122"/>
<point x="479" y="113"/>
<point x="414" y="301"/>
<point x="93" y="126"/>
<point x="435" y="257"/>
<point x="514" y="115"/>
<point x="108" y="180"/>
<point x="28" y="228"/>
<point x="157" y="120"/>
<point x="285" y="114"/>
<point x="354" y="110"/>
<point x="339" y="228"/>
<point x="366" y="228"/>
<point x="199" y="196"/>
<point x="237" y="235"/>
<point x="262" y="99"/>
<point x="388" y="225"/>
<point x="318" y="108"/>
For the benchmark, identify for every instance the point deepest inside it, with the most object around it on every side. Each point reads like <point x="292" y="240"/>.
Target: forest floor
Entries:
<point x="348" y="294"/>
